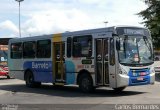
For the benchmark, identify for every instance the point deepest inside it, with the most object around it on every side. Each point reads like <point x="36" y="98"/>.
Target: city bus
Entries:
<point x="115" y="57"/>
<point x="4" y="57"/>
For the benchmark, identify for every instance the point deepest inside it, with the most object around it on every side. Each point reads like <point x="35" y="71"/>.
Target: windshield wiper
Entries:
<point x="148" y="45"/>
<point x="146" y="42"/>
<point x="124" y="44"/>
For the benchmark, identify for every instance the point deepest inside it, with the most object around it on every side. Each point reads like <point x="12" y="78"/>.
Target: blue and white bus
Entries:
<point x="115" y="57"/>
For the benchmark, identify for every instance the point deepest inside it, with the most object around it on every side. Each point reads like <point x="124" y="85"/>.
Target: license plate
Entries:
<point x="140" y="79"/>
<point x="143" y="73"/>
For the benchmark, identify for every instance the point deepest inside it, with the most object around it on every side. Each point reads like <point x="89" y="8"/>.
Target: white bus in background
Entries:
<point x="114" y="57"/>
<point x="157" y="61"/>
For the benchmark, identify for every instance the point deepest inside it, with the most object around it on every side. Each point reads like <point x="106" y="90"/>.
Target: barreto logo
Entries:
<point x="38" y="65"/>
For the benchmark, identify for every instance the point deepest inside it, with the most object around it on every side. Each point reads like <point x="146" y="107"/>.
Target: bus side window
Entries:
<point x="112" y="52"/>
<point x="43" y="49"/>
<point x="69" y="44"/>
<point x="29" y="49"/>
<point x="16" y="50"/>
<point x="82" y="46"/>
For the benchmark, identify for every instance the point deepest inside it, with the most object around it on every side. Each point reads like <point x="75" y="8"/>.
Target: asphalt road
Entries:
<point x="14" y="93"/>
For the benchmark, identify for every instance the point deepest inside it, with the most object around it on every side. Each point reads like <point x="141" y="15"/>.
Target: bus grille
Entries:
<point x="139" y="76"/>
<point x="139" y="72"/>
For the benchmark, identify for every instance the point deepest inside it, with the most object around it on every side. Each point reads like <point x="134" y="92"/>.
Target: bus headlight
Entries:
<point x="122" y="71"/>
<point x="152" y="70"/>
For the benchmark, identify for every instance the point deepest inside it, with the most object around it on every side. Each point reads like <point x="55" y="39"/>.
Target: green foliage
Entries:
<point x="151" y="17"/>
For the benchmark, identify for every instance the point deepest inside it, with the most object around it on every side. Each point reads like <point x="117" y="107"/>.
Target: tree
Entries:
<point x="151" y="17"/>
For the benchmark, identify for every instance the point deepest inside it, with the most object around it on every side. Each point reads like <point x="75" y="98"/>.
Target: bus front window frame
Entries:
<point x="136" y="59"/>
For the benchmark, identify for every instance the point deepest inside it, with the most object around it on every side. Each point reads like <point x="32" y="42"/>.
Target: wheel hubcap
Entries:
<point x="85" y="84"/>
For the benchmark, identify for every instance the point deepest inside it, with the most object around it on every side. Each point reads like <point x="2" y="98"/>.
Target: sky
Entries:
<point x="40" y="17"/>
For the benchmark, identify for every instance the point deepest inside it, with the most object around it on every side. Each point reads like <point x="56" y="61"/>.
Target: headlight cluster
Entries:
<point x="122" y="71"/>
<point x="152" y="70"/>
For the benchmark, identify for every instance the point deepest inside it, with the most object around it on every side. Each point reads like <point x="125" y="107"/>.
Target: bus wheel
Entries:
<point x="85" y="83"/>
<point x="119" y="89"/>
<point x="8" y="77"/>
<point x="29" y="78"/>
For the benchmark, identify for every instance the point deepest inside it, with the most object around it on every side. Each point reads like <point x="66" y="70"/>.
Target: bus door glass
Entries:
<point x="59" y="65"/>
<point x="102" y="70"/>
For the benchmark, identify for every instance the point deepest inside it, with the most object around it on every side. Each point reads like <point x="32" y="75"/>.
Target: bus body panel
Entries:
<point x="152" y="78"/>
<point x="45" y="70"/>
<point x="17" y="74"/>
<point x="42" y="70"/>
<point x="15" y="70"/>
<point x="70" y="72"/>
<point x="122" y="80"/>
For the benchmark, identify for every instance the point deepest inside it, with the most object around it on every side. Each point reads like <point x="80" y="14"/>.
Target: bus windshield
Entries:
<point x="134" y="50"/>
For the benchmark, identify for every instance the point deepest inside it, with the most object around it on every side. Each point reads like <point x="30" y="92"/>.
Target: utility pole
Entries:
<point x="105" y="23"/>
<point x="19" y="1"/>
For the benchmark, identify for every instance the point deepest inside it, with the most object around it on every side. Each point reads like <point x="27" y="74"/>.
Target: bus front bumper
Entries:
<point x="125" y="80"/>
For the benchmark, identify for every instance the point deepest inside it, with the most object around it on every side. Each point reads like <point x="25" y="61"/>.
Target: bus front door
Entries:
<point x="59" y="62"/>
<point x="102" y="70"/>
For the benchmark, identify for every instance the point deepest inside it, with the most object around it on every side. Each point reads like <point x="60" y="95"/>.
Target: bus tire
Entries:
<point x="29" y="78"/>
<point x="119" y="89"/>
<point x="86" y="83"/>
<point x="8" y="77"/>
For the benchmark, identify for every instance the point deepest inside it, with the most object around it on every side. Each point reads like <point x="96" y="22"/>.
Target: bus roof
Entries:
<point x="76" y="33"/>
